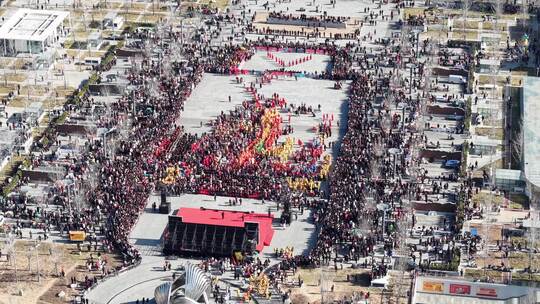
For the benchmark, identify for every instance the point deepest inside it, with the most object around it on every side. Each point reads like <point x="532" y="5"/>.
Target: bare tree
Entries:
<point x="466" y="6"/>
<point x="57" y="255"/>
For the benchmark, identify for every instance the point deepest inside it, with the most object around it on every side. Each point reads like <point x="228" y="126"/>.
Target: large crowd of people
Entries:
<point x="309" y="20"/>
<point x="242" y="157"/>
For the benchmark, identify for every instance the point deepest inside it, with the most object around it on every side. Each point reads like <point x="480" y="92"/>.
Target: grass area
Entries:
<point x="130" y="17"/>
<point x="526" y="277"/>
<point x="92" y="54"/>
<point x="516" y="81"/>
<point x="10" y="174"/>
<point x="510" y="16"/>
<point x="140" y="6"/>
<point x="62" y="118"/>
<point x="68" y="44"/>
<point x="4" y="90"/>
<point x="7" y="170"/>
<point x="51" y="103"/>
<point x="145" y="17"/>
<point x="467" y="35"/>
<point x="487" y="79"/>
<point x="519" y="201"/>
<point x="5" y="61"/>
<point x="480" y="273"/>
<point x="489" y="25"/>
<point x="434" y="34"/>
<point x="37" y="132"/>
<point x="44" y="121"/>
<point x="64" y="92"/>
<point x="20" y="101"/>
<point x="76" y="14"/>
<point x="220" y="4"/>
<point x="499" y="276"/>
<point x="152" y="18"/>
<point x="524" y="241"/>
<point x="470" y="14"/>
<point x="81" y="33"/>
<point x="96" y="15"/>
<point x="413" y="11"/>
<point x="310" y="291"/>
<point x="72" y="53"/>
<point x="52" y="259"/>
<point x="19" y="77"/>
<point x="520" y="260"/>
<point x="492" y="133"/>
<point x="472" y="25"/>
<point x="34" y="90"/>
<point x="519" y="72"/>
<point x="115" y="5"/>
<point x="20" y="62"/>
<point x="483" y="198"/>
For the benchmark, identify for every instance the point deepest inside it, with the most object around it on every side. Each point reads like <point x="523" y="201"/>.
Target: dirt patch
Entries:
<point x="491" y="133"/>
<point x="49" y="260"/>
<point x="310" y="292"/>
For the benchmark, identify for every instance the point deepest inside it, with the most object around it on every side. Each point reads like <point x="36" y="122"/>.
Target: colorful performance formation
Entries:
<point x="270" y="130"/>
<point x="245" y="154"/>
<point x="284" y="63"/>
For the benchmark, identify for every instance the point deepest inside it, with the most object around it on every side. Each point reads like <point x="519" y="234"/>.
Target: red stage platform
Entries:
<point x="230" y="219"/>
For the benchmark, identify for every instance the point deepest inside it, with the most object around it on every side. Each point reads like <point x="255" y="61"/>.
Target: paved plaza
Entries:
<point x="260" y="62"/>
<point x="422" y="165"/>
<point x="208" y="100"/>
<point x="146" y="236"/>
<point x="147" y="233"/>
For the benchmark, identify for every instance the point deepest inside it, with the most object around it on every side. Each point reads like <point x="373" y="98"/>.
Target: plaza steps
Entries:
<point x="150" y="250"/>
<point x="275" y="298"/>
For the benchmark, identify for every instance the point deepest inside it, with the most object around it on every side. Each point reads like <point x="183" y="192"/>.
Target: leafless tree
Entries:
<point x="57" y="255"/>
<point x="466" y="7"/>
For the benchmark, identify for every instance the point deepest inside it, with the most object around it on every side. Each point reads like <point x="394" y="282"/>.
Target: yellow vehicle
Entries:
<point x="77" y="236"/>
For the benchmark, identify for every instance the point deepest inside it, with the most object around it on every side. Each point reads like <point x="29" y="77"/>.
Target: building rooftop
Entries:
<point x="531" y="129"/>
<point x="34" y="25"/>
<point x="508" y="174"/>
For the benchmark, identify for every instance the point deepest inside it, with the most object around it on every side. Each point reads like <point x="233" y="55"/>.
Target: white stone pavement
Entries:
<point x="206" y="102"/>
<point x="146" y="235"/>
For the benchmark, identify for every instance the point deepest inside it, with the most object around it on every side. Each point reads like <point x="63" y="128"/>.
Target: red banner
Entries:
<point x="460" y="289"/>
<point x="487" y="292"/>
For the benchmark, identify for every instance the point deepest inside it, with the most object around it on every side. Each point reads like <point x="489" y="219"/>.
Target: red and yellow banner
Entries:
<point x="432" y="286"/>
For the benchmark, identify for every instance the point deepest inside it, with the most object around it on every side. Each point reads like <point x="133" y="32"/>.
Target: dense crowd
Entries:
<point x="242" y="157"/>
<point x="315" y="20"/>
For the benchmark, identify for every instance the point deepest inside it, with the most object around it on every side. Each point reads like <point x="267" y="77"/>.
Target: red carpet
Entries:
<point x="230" y="219"/>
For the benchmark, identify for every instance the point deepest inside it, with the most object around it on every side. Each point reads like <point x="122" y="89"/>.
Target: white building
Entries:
<point x="31" y="31"/>
<point x="113" y="21"/>
<point x="94" y="40"/>
<point x="430" y="290"/>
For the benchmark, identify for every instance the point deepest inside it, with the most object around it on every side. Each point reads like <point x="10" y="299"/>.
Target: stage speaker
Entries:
<point x="163" y="197"/>
<point x="165" y="208"/>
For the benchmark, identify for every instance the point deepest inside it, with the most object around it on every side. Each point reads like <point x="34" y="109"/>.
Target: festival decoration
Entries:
<point x="260" y="283"/>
